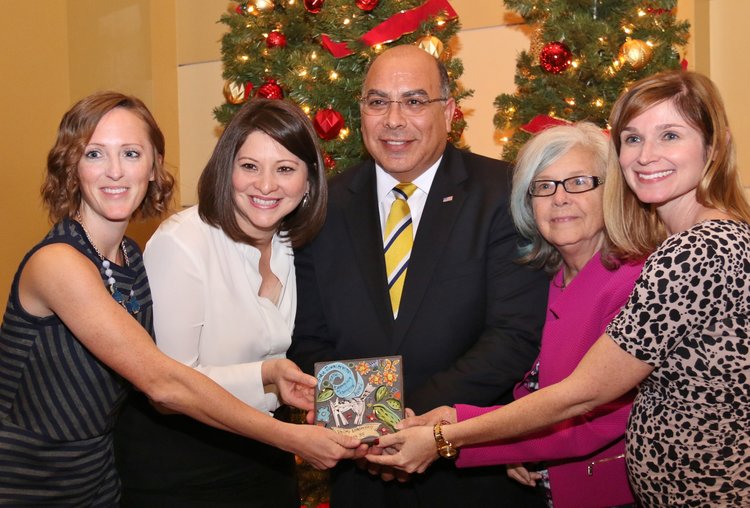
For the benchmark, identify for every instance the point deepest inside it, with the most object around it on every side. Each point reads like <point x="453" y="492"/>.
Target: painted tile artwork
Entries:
<point x="361" y="398"/>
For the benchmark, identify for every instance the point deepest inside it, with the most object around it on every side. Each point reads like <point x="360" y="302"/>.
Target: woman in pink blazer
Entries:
<point x="557" y="205"/>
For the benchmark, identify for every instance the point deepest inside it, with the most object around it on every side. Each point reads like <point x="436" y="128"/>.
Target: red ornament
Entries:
<point x="241" y="9"/>
<point x="270" y="90"/>
<point x="367" y="5"/>
<point x="328" y="123"/>
<point x="555" y="57"/>
<point x="314" y="6"/>
<point x="457" y="126"/>
<point x="458" y="115"/>
<point x="656" y="10"/>
<point x="276" y="40"/>
<point x="329" y="161"/>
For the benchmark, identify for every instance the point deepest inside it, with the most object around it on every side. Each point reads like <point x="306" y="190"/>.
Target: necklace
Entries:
<point x="130" y="302"/>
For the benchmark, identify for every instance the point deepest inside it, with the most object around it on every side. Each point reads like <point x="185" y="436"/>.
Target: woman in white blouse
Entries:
<point x="223" y="285"/>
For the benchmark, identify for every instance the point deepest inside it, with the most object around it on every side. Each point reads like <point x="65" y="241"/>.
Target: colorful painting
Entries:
<point x="362" y="398"/>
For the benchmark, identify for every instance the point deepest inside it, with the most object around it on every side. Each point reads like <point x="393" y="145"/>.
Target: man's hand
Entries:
<point x="430" y="418"/>
<point x="411" y="450"/>
<point x="386" y="473"/>
<point x="523" y="475"/>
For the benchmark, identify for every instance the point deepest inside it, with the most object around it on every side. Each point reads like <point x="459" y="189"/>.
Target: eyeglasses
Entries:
<point x="411" y="106"/>
<point x="572" y="185"/>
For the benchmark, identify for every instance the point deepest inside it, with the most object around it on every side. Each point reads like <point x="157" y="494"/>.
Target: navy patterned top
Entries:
<point x="58" y="403"/>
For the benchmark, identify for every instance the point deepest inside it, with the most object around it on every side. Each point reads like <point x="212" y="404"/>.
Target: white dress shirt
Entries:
<point x="207" y="312"/>
<point x="386" y="183"/>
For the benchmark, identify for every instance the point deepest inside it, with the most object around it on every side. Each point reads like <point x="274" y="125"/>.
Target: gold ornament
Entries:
<point x="431" y="44"/>
<point x="636" y="52"/>
<point x="537" y="43"/>
<point x="263" y="5"/>
<point x="234" y="92"/>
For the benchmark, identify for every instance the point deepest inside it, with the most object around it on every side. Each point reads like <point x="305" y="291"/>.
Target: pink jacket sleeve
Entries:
<point x="576" y="319"/>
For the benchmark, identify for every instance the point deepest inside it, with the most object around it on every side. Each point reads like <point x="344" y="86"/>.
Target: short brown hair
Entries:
<point x="61" y="191"/>
<point x="634" y="226"/>
<point x="288" y="125"/>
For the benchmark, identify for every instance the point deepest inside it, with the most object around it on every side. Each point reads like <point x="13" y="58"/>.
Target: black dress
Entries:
<point x="173" y="460"/>
<point x="58" y="403"/>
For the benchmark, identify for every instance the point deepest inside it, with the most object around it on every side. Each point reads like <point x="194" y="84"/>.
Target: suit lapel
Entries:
<point x="363" y="223"/>
<point x="441" y="210"/>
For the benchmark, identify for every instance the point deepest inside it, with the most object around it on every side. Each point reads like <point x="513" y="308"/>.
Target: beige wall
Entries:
<point x="730" y="71"/>
<point x="74" y="47"/>
<point x="34" y="91"/>
<point x="168" y="53"/>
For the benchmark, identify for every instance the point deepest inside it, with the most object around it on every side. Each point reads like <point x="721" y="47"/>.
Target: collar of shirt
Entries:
<point x="386" y="183"/>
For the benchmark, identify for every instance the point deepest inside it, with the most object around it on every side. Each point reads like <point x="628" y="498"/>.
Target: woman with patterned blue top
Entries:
<point x="77" y="328"/>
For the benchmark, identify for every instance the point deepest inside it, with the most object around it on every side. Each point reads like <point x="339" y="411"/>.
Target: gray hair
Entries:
<point x="536" y="155"/>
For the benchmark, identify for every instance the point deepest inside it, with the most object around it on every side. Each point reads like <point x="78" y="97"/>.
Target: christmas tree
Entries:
<point x="583" y="54"/>
<point x="315" y="52"/>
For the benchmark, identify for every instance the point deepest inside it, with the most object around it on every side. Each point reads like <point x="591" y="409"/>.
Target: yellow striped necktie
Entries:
<point x="397" y="242"/>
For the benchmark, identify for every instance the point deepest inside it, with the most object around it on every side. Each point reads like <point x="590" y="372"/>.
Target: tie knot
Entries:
<point x="404" y="190"/>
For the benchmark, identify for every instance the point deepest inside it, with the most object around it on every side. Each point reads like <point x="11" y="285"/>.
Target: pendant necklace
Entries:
<point x="130" y="302"/>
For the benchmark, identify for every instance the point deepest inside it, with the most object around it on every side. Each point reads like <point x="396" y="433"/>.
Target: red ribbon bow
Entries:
<point x="392" y="28"/>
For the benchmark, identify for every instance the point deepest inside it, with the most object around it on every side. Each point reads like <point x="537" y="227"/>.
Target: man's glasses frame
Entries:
<point x="375" y="105"/>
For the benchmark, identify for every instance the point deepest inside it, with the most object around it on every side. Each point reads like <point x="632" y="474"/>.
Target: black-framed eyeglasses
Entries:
<point x="572" y="185"/>
<point x="374" y="105"/>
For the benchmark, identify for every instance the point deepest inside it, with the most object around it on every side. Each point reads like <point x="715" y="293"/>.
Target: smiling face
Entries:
<point x="115" y="168"/>
<point x="268" y="183"/>
<point x="572" y="223"/>
<point x="406" y="146"/>
<point x="662" y="157"/>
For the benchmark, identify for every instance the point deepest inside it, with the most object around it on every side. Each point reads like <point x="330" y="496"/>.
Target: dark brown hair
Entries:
<point x="288" y="125"/>
<point x="61" y="191"/>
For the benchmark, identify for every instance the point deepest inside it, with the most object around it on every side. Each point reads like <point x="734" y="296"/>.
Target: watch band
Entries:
<point x="444" y="447"/>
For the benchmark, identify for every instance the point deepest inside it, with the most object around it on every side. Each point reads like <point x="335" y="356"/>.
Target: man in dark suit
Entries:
<point x="469" y="319"/>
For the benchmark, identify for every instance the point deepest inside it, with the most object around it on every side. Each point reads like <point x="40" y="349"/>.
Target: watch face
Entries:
<point x="448" y="452"/>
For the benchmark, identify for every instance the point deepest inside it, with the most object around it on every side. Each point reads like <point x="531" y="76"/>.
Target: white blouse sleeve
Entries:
<point x="180" y="292"/>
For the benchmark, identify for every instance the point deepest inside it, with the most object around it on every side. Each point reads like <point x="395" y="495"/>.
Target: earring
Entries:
<point x="305" y="199"/>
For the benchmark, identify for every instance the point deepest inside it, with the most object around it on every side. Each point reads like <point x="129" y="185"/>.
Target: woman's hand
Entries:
<point x="294" y="386"/>
<point x="523" y="475"/>
<point x="437" y="415"/>
<point x="411" y="450"/>
<point x="322" y="447"/>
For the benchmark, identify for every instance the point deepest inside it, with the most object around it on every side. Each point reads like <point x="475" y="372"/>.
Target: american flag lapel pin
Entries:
<point x="447" y="199"/>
